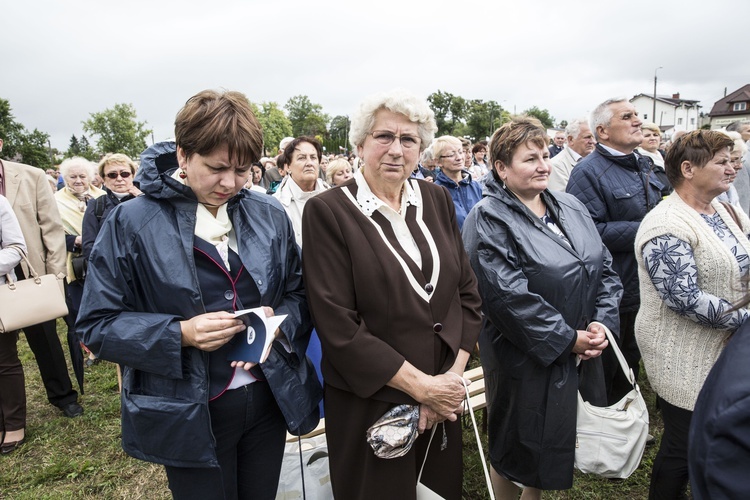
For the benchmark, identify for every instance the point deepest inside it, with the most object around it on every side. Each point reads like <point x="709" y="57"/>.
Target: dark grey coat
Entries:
<point x="536" y="292"/>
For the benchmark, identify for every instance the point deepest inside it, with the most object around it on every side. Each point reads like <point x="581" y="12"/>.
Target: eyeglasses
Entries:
<point x="113" y="175"/>
<point x="387" y="138"/>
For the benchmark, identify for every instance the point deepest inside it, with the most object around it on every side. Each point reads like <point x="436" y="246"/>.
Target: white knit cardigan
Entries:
<point x="677" y="352"/>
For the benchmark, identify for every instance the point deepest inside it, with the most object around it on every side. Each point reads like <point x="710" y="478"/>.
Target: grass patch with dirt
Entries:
<point x="82" y="458"/>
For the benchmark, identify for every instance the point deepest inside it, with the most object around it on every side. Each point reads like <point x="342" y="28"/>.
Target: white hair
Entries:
<point x="574" y="128"/>
<point x="602" y="114"/>
<point x="77" y="162"/>
<point x="397" y="101"/>
<point x="739" y="144"/>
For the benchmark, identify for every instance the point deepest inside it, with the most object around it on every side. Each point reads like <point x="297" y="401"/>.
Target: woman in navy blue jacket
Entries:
<point x="167" y="271"/>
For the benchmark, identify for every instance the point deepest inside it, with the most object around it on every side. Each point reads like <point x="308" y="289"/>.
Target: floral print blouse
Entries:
<point x="671" y="265"/>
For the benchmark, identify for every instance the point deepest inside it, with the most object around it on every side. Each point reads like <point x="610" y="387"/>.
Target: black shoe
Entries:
<point x="11" y="447"/>
<point x="650" y="440"/>
<point x="72" y="410"/>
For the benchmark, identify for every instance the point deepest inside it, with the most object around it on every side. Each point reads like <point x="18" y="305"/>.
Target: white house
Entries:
<point x="672" y="113"/>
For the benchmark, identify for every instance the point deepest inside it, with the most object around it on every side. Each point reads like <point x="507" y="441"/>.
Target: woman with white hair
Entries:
<point x="395" y="304"/>
<point x="72" y="201"/>
<point x="738" y="152"/>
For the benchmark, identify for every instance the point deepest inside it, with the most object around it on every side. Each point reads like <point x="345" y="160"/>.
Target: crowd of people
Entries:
<point x="419" y="252"/>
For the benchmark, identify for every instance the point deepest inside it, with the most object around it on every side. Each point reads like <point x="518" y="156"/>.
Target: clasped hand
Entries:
<point x="443" y="400"/>
<point x="591" y="342"/>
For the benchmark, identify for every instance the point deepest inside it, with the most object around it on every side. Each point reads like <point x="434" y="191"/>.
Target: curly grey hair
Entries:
<point x="397" y="101"/>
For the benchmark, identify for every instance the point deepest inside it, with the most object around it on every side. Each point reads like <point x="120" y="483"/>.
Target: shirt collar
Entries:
<point x="574" y="154"/>
<point x="369" y="203"/>
<point x="613" y="152"/>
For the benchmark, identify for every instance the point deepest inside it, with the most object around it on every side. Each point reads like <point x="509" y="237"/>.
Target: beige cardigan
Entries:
<point x="677" y="352"/>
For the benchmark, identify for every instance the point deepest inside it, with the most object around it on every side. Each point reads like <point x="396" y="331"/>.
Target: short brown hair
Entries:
<point x="697" y="147"/>
<point x="289" y="149"/>
<point x="508" y="138"/>
<point x="211" y="119"/>
<point x="116" y="159"/>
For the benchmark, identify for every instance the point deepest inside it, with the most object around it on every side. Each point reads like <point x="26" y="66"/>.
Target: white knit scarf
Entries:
<point x="215" y="230"/>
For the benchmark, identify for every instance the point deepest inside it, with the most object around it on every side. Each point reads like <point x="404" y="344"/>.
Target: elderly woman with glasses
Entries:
<point x="738" y="152"/>
<point x="465" y="192"/>
<point x="395" y="304"/>
<point x="72" y="202"/>
<point x="693" y="266"/>
<point x="118" y="172"/>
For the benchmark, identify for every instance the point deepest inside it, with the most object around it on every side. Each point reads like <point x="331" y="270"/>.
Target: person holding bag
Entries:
<point x="12" y="383"/>
<point x="548" y="292"/>
<point x="166" y="272"/>
<point x="397" y="311"/>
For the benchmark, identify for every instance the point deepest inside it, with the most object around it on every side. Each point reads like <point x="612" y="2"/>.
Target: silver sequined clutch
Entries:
<point x="395" y="432"/>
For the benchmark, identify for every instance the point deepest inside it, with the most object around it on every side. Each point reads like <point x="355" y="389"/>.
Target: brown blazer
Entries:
<point x="32" y="200"/>
<point x="370" y="311"/>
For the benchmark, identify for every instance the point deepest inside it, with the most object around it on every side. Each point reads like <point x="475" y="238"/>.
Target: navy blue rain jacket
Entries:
<point x="142" y="282"/>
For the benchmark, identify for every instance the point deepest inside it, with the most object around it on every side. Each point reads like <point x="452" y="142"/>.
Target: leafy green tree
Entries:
<point x="450" y="112"/>
<point x="81" y="148"/>
<point x="275" y="124"/>
<point x="339" y="127"/>
<point x="32" y="147"/>
<point x="35" y="149"/>
<point x="118" y="130"/>
<point x="440" y="104"/>
<point x="307" y="117"/>
<point x="483" y="118"/>
<point x="11" y="132"/>
<point x="542" y="115"/>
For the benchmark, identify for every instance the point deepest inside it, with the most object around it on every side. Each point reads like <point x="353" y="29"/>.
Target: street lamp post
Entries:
<point x="653" y="112"/>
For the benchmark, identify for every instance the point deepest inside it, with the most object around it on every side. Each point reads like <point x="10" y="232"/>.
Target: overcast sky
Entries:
<point x="62" y="61"/>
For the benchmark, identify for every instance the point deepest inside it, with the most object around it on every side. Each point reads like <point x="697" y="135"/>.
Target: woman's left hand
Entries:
<point x="591" y="343"/>
<point x="247" y="365"/>
<point x="428" y="418"/>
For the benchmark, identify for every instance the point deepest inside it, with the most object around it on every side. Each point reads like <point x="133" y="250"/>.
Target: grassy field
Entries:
<point x="82" y="458"/>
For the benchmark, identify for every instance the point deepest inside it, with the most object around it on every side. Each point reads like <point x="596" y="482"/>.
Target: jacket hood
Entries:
<point x="158" y="163"/>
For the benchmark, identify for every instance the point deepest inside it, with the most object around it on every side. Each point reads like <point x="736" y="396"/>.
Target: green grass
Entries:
<point x="82" y="457"/>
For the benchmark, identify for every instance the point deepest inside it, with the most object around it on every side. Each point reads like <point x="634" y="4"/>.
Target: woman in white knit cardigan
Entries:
<point x="692" y="256"/>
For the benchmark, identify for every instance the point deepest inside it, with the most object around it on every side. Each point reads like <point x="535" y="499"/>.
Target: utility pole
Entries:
<point x="653" y="113"/>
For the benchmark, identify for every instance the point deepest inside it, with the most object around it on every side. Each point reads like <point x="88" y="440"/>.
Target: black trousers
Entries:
<point x="12" y="388"/>
<point x="45" y="344"/>
<point x="616" y="383"/>
<point x="669" y="475"/>
<point x="250" y="432"/>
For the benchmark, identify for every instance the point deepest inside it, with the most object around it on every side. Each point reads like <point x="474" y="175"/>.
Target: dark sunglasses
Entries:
<point x="113" y="175"/>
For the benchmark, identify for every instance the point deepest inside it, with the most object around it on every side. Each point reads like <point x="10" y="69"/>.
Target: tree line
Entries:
<point x="118" y="129"/>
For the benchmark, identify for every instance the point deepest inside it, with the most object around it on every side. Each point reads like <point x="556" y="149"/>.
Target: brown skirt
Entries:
<point x="356" y="473"/>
